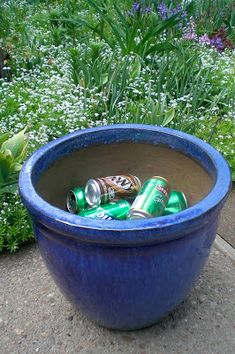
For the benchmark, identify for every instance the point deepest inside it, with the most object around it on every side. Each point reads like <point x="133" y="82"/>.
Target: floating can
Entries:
<point x="176" y="203"/>
<point x="76" y="200"/>
<point x="105" y="189"/>
<point x="151" y="200"/>
<point x="112" y="211"/>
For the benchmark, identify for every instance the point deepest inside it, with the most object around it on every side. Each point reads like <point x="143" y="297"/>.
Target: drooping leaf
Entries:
<point x="23" y="154"/>
<point x="11" y="188"/>
<point x="15" y="144"/>
<point x="154" y="31"/>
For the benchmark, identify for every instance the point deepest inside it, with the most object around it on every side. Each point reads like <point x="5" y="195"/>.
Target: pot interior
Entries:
<point x="143" y="160"/>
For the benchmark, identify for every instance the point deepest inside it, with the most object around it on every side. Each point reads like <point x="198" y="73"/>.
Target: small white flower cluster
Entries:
<point x="43" y="94"/>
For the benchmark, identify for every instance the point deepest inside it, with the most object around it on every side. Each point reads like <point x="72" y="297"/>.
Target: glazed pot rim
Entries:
<point x="126" y="232"/>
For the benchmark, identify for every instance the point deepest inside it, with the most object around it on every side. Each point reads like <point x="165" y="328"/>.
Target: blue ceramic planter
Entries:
<point x="125" y="275"/>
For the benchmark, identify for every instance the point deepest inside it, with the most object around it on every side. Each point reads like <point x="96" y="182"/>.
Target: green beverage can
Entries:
<point x="151" y="200"/>
<point x="111" y="211"/>
<point x="176" y="203"/>
<point x="76" y="200"/>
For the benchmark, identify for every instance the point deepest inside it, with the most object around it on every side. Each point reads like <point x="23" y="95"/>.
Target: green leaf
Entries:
<point x="12" y="188"/>
<point x="191" y="8"/>
<point x="15" y="144"/>
<point x="95" y="48"/>
<point x="161" y="47"/>
<point x="169" y="116"/>
<point x="104" y="78"/>
<point x="121" y="16"/>
<point x="5" y="166"/>
<point x="154" y="106"/>
<point x="136" y="68"/>
<point x="2" y="179"/>
<point x="116" y="29"/>
<point x="154" y="31"/>
<point x="86" y="72"/>
<point x="3" y="138"/>
<point x="16" y="167"/>
<point x="23" y="154"/>
<point x="85" y="23"/>
<point x="8" y="155"/>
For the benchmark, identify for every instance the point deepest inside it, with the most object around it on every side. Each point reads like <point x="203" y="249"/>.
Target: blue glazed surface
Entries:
<point x="125" y="275"/>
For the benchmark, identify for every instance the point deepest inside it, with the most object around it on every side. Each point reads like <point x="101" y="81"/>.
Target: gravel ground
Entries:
<point x="36" y="318"/>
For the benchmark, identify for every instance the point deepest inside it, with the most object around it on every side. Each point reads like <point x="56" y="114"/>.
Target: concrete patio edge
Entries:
<point x="225" y="247"/>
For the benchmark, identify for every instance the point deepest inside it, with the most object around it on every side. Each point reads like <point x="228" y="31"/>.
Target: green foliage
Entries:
<point x="79" y="64"/>
<point x="15" y="225"/>
<point x="211" y="15"/>
<point x="137" y="34"/>
<point x="89" y="69"/>
<point x="12" y="154"/>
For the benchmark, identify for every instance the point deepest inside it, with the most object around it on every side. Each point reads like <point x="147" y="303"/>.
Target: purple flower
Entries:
<point x="136" y="7"/>
<point x="176" y="10"/>
<point x="163" y="11"/>
<point x="147" y="10"/>
<point x="217" y="42"/>
<point x="184" y="14"/>
<point x="190" y="31"/>
<point x="204" y="39"/>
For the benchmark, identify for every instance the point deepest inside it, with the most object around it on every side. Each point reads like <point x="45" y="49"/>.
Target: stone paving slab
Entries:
<point x="227" y="220"/>
<point x="36" y="318"/>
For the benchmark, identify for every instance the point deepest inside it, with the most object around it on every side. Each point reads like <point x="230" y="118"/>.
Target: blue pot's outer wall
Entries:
<point x="126" y="275"/>
<point x="126" y="288"/>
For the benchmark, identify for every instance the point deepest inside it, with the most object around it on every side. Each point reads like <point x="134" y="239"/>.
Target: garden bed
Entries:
<point x="76" y="64"/>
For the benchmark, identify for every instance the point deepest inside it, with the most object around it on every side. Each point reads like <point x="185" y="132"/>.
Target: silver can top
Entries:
<point x="92" y="193"/>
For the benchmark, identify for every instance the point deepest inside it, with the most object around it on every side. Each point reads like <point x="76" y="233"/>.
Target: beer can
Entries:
<point x="176" y="203"/>
<point x="105" y="189"/>
<point x="76" y="200"/>
<point x="151" y="200"/>
<point x="111" y="211"/>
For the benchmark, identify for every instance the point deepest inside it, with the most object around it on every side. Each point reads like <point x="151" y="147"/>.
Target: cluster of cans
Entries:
<point x="124" y="198"/>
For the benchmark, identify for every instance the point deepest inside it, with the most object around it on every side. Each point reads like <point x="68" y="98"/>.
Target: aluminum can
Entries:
<point x="176" y="203"/>
<point x="112" y="211"/>
<point x="105" y="189"/>
<point x="151" y="200"/>
<point x="76" y="200"/>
